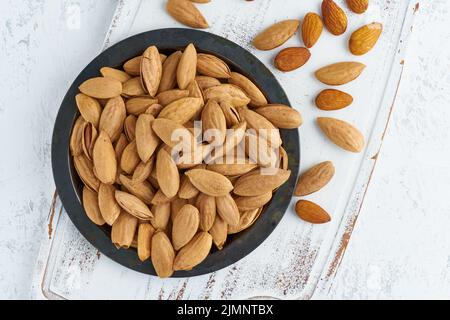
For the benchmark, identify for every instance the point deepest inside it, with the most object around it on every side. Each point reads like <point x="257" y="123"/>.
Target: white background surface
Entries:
<point x="401" y="245"/>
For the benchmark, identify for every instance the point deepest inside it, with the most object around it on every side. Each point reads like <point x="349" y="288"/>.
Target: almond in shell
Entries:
<point x="107" y="203"/>
<point x="182" y="110"/>
<point x="257" y="98"/>
<point x="205" y="82"/>
<point x="119" y="75"/>
<point x="255" y="202"/>
<point x="187" y="67"/>
<point x="342" y="134"/>
<point x="334" y="17"/>
<point x="162" y="254"/>
<point x="186" y="13"/>
<point x="129" y="127"/>
<point x="169" y="96"/>
<point x="261" y="126"/>
<point x="133" y="88"/>
<point x="311" y="212"/>
<point x="151" y="70"/>
<point x="104" y="158"/>
<point x="143" y="190"/>
<point x="133" y="66"/>
<point x="185" y="226"/>
<point x="365" y="38"/>
<point x="194" y="252"/>
<point x="331" y="99"/>
<point x="113" y="117"/>
<point x="256" y="183"/>
<point x="85" y="170"/>
<point x="227" y="209"/>
<point x="169" y="72"/>
<point x="207" y="209"/>
<point x="89" y="108"/>
<point x="139" y="105"/>
<point x="227" y="92"/>
<point x="146" y="139"/>
<point x="187" y="189"/>
<point x="312" y="27"/>
<point x="130" y="158"/>
<point x="144" y="245"/>
<point x="161" y="216"/>
<point x="213" y="123"/>
<point x="90" y="204"/>
<point x="133" y="205"/>
<point x="209" y="182"/>
<point x="123" y="230"/>
<point x="246" y="221"/>
<point x="167" y="174"/>
<point x="219" y="232"/>
<point x="76" y="138"/>
<point x="281" y="116"/>
<point x="143" y="170"/>
<point x="101" y="88"/>
<point x="315" y="178"/>
<point x="276" y="34"/>
<point x="209" y="65"/>
<point x="340" y="73"/>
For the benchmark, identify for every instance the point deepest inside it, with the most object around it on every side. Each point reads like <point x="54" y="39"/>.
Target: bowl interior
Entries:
<point x="70" y="186"/>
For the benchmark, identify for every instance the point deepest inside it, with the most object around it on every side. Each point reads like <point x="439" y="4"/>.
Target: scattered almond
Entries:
<point x="334" y="17"/>
<point x="331" y="99"/>
<point x="358" y="6"/>
<point x="342" y="134"/>
<point x="312" y="27"/>
<point x="290" y="59"/>
<point x="365" y="38"/>
<point x="314" y="179"/>
<point x="276" y="35"/>
<point x="186" y="13"/>
<point x="311" y="212"/>
<point x="340" y="73"/>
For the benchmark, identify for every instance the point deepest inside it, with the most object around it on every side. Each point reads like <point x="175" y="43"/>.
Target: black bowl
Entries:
<point x="69" y="185"/>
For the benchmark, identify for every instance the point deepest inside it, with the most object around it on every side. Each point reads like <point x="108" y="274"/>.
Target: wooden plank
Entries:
<point x="289" y="264"/>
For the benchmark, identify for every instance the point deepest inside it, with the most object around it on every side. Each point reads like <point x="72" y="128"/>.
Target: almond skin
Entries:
<point x="315" y="178"/>
<point x="342" y="134"/>
<point x="162" y="254"/>
<point x="312" y="27"/>
<point x="276" y="34"/>
<point x="186" y="13"/>
<point x="365" y="38"/>
<point x="292" y="58"/>
<point x="334" y="17"/>
<point x="331" y="99"/>
<point x="339" y="73"/>
<point x="311" y="212"/>
<point x="358" y="6"/>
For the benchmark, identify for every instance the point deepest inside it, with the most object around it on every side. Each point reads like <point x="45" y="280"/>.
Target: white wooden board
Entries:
<point x="298" y="259"/>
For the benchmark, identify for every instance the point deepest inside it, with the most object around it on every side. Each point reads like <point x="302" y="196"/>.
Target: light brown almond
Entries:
<point x="219" y="232"/>
<point x="130" y="158"/>
<point x="209" y="182"/>
<point x="276" y="34"/>
<point x="175" y="206"/>
<point x="133" y="88"/>
<point x="185" y="226"/>
<point x="129" y="127"/>
<point x="113" y="117"/>
<point x="101" y="88"/>
<point x="133" y="205"/>
<point x="292" y="58"/>
<point x="146" y="139"/>
<point x="227" y="209"/>
<point x="207" y="208"/>
<point x="213" y="123"/>
<point x="334" y="17"/>
<point x="312" y="27"/>
<point x="169" y="96"/>
<point x="196" y="92"/>
<point x="161" y="216"/>
<point x="311" y="212"/>
<point x="194" y="252"/>
<point x="168" y="130"/>
<point x="365" y="38"/>
<point x="281" y="116"/>
<point x="182" y="110"/>
<point x="119" y="75"/>
<point x="162" y="254"/>
<point x="167" y="174"/>
<point x="342" y="134"/>
<point x="261" y="126"/>
<point x="154" y="110"/>
<point x="186" y="13"/>
<point x="104" y="158"/>
<point x="133" y="66"/>
<point x="89" y="108"/>
<point x="331" y="99"/>
<point x="314" y="178"/>
<point x="233" y="138"/>
<point x="143" y="170"/>
<point x="340" y="73"/>
<point x="90" y="204"/>
<point x="255" y="202"/>
<point x="120" y="145"/>
<point x="227" y="92"/>
<point x="107" y="203"/>
<point x="144" y="246"/>
<point x="187" y="189"/>
<point x="231" y="114"/>
<point x="151" y="70"/>
<point x="169" y="72"/>
<point x="232" y="169"/>
<point x="123" y="230"/>
<point x="187" y="67"/>
<point x="76" y="137"/>
<point x="257" y="183"/>
<point x="139" y="105"/>
<point x="209" y="65"/>
<point x="84" y="168"/>
<point x="205" y="82"/>
<point x="160" y="198"/>
<point x="247" y="219"/>
<point x="257" y="98"/>
<point x="358" y="6"/>
<point x="143" y="190"/>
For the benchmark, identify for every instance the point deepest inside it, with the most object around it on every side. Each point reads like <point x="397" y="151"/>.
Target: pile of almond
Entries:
<point x="171" y="198"/>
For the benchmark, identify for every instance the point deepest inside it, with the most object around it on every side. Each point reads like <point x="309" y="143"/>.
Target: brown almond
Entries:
<point x="311" y="212"/>
<point x="342" y="134"/>
<point x="365" y="38"/>
<point x="133" y="205"/>
<point x="334" y="17"/>
<point x="186" y="13"/>
<point x="169" y="72"/>
<point x="255" y="202"/>
<point x="281" y="116"/>
<point x="84" y="168"/>
<point x="331" y="99"/>
<point x="167" y="174"/>
<point x="207" y="209"/>
<point x="227" y="92"/>
<point x="205" y="82"/>
<point x="133" y="66"/>
<point x="123" y="230"/>
<point x="133" y="88"/>
<point x="144" y="246"/>
<point x="219" y="232"/>
<point x="312" y="27"/>
<point x="257" y="98"/>
<point x="184" y="226"/>
<point x="209" y="65"/>
<point x="130" y="158"/>
<point x="139" y="105"/>
<point x="89" y="108"/>
<point x="146" y="139"/>
<point x="227" y="209"/>
<point x="209" y="182"/>
<point x="358" y="6"/>
<point x="161" y="216"/>
<point x="151" y="70"/>
<point x="90" y="204"/>
<point x="162" y="254"/>
<point x="187" y="67"/>
<point x="315" y="178"/>
<point x="276" y="34"/>
<point x="101" y="88"/>
<point x="257" y="183"/>
<point x="113" y="117"/>
<point x="182" y="110"/>
<point x="293" y="58"/>
<point x="340" y="73"/>
<point x="107" y="203"/>
<point x="143" y="190"/>
<point x="119" y="75"/>
<point x="194" y="252"/>
<point x="104" y="158"/>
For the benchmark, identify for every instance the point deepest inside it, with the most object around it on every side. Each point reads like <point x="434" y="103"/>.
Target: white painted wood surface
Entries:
<point x="76" y="270"/>
<point x="400" y="244"/>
